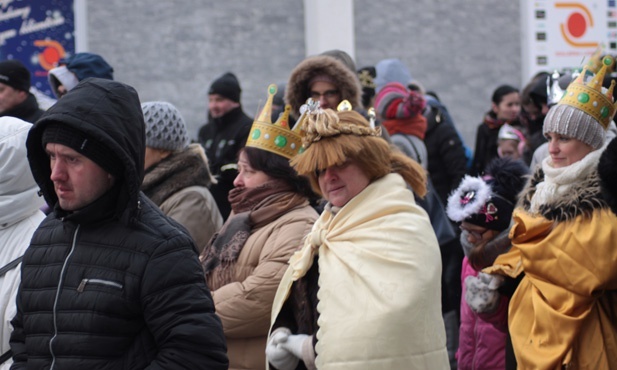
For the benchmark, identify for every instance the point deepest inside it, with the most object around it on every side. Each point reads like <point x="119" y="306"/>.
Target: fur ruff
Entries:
<point x="346" y="81"/>
<point x="176" y="172"/>
<point x="583" y="198"/>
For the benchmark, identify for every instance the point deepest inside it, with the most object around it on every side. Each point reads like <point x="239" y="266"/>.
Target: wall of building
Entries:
<point x="172" y="50"/>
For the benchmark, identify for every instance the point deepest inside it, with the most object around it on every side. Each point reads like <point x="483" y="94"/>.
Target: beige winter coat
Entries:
<point x="244" y="305"/>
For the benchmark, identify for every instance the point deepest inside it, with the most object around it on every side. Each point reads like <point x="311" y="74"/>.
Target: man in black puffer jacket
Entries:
<point x="108" y="282"/>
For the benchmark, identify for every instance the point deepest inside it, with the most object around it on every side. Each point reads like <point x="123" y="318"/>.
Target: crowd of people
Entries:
<point x="347" y="226"/>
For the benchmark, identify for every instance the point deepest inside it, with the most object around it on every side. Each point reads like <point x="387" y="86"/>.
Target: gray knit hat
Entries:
<point x="165" y="127"/>
<point x="569" y="121"/>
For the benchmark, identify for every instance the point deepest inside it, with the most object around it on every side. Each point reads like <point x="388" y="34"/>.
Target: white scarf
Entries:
<point x="559" y="181"/>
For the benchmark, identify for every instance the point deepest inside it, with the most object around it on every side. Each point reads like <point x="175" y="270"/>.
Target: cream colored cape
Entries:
<point x="379" y="283"/>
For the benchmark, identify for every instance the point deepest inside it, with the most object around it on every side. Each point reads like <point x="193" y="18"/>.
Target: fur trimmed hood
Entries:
<point x="297" y="86"/>
<point x="583" y="198"/>
<point x="176" y="172"/>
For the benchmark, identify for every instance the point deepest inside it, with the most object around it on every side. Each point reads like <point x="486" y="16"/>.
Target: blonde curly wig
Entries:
<point x="330" y="138"/>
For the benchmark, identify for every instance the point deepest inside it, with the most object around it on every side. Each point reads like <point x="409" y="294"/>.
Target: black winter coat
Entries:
<point x="446" y="153"/>
<point x="28" y="110"/>
<point x="116" y="284"/>
<point x="222" y="139"/>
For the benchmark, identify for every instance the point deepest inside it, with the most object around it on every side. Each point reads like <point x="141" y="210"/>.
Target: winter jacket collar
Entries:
<point x="28" y="110"/>
<point x="230" y="120"/>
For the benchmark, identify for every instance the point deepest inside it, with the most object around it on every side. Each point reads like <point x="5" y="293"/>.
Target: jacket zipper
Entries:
<point x="55" y="319"/>
<point x="109" y="283"/>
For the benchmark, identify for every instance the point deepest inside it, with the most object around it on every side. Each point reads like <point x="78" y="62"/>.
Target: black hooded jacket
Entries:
<point x="116" y="284"/>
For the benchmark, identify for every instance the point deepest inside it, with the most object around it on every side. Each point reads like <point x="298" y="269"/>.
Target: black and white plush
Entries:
<point x="488" y="201"/>
<point x="468" y="199"/>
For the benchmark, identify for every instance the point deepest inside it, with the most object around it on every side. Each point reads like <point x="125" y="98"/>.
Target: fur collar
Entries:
<point x="176" y="172"/>
<point x="582" y="197"/>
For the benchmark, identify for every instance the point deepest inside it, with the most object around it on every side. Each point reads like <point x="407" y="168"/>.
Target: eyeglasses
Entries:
<point x="329" y="94"/>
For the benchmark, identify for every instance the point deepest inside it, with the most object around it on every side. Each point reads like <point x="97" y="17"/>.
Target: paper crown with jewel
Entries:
<point x="588" y="96"/>
<point x="276" y="137"/>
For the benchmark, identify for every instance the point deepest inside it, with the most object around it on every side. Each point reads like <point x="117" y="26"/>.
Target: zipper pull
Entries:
<point x="82" y="285"/>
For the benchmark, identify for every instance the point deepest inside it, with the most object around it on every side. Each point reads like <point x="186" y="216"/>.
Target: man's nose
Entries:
<point x="57" y="171"/>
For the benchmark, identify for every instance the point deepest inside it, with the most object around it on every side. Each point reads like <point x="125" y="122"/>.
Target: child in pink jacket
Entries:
<point x="484" y="207"/>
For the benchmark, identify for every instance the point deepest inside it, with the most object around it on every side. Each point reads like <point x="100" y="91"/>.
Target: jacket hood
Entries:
<point x="346" y="80"/>
<point x="107" y="110"/>
<point x="391" y="70"/>
<point x="18" y="190"/>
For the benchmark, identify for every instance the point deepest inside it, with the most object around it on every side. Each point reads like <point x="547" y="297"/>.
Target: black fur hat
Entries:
<point x="607" y="169"/>
<point x="489" y="200"/>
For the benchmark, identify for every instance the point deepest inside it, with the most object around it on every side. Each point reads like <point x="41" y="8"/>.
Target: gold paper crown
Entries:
<point x="595" y="62"/>
<point x="276" y="137"/>
<point x="589" y="97"/>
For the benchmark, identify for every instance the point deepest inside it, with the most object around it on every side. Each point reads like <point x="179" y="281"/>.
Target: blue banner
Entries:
<point x="38" y="33"/>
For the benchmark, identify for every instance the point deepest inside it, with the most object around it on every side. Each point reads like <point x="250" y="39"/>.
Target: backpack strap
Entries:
<point x="6" y="268"/>
<point x="6" y="356"/>
<point x="9" y="266"/>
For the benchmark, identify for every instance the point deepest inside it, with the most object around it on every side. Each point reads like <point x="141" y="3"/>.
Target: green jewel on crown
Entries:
<point x="256" y="134"/>
<point x="280" y="141"/>
<point x="583" y="97"/>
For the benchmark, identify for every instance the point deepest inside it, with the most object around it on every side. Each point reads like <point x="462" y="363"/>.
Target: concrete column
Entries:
<point x="80" y="10"/>
<point x="329" y="24"/>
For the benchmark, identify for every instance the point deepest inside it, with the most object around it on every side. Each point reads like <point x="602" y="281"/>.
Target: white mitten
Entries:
<point x="301" y="345"/>
<point x="276" y="354"/>
<point x="482" y="295"/>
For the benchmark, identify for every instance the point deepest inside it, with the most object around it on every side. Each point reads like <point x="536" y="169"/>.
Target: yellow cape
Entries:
<point x="564" y="311"/>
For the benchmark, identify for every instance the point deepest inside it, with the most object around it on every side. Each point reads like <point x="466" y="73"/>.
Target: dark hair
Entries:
<point x="502" y="91"/>
<point x="278" y="167"/>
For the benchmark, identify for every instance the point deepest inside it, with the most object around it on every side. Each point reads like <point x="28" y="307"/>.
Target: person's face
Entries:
<point x="154" y="156"/>
<point x="509" y="107"/>
<point x="248" y="177"/>
<point x="509" y="148"/>
<point x="530" y="112"/>
<point x="564" y="150"/>
<point x="477" y="235"/>
<point x="219" y="105"/>
<point x="78" y="181"/>
<point x="10" y="97"/>
<point x="326" y="94"/>
<point x="339" y="184"/>
<point x="61" y="91"/>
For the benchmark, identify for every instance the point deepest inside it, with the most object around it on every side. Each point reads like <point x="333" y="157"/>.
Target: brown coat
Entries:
<point x="179" y="186"/>
<point x="244" y="304"/>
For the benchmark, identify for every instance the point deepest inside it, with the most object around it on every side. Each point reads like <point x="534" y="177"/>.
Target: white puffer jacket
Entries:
<point x="19" y="217"/>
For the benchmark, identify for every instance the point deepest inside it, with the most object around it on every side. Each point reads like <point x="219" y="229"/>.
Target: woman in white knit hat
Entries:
<point x="177" y="175"/>
<point x="563" y="238"/>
